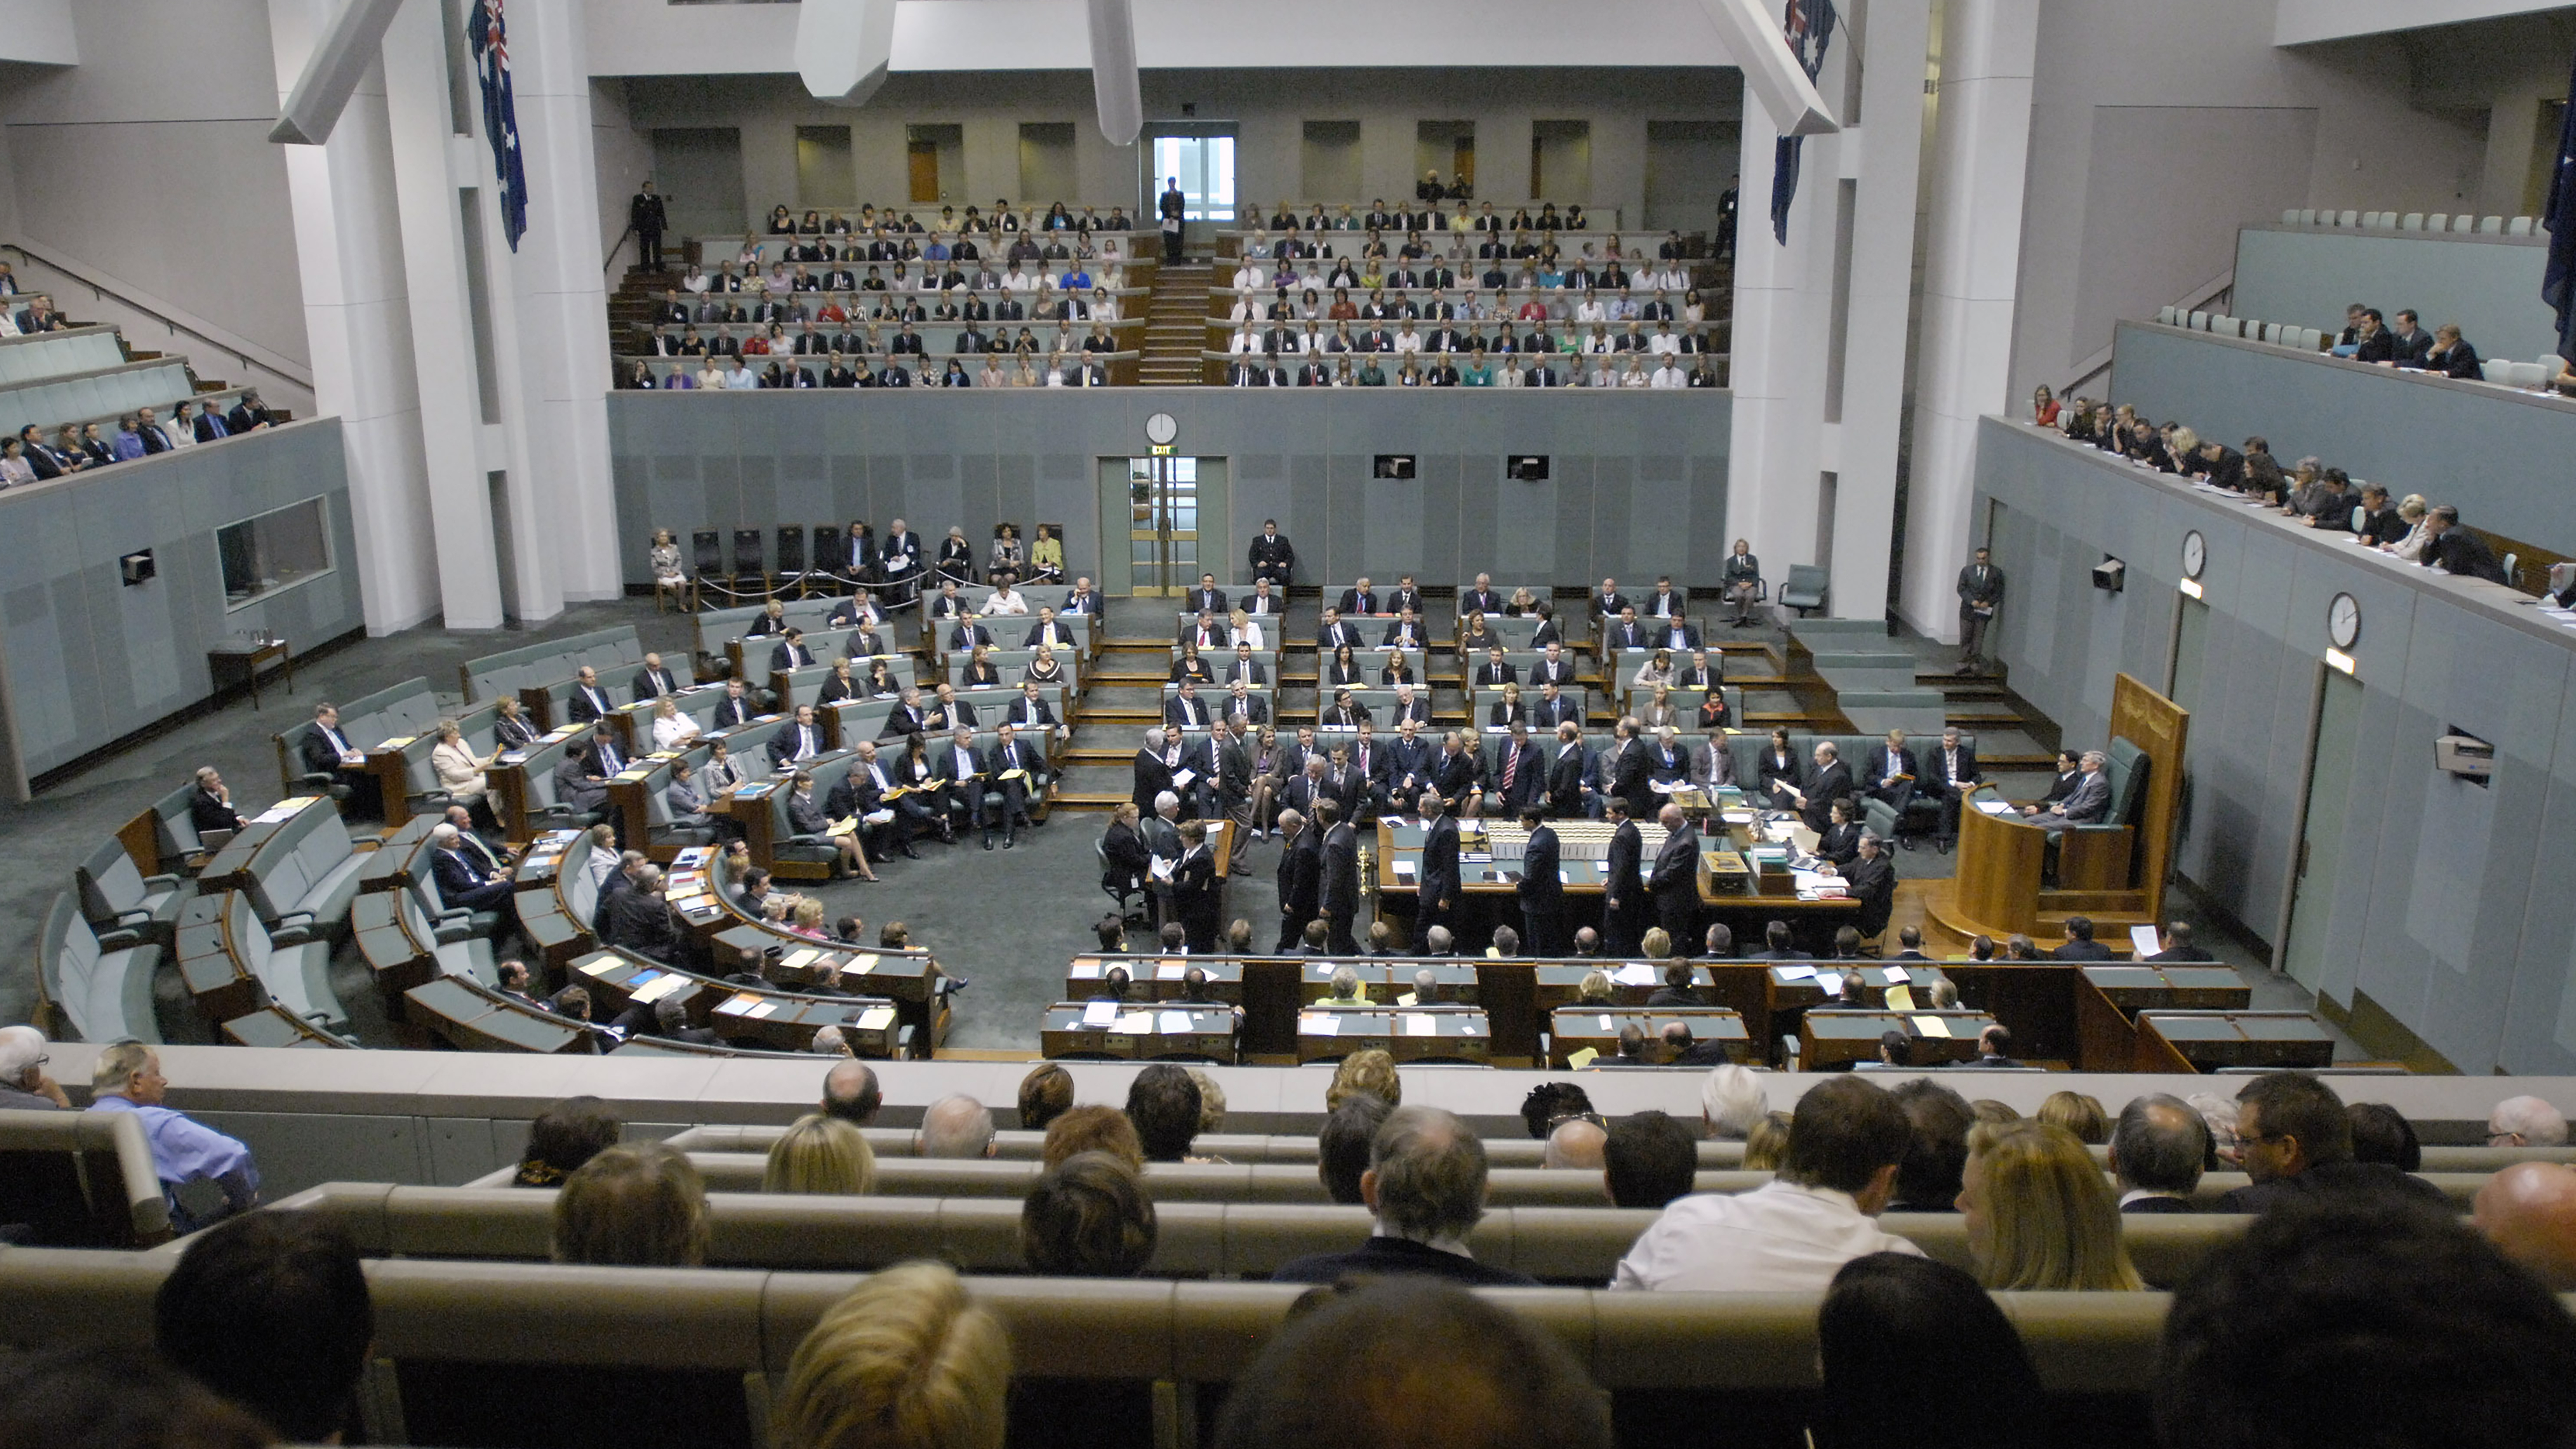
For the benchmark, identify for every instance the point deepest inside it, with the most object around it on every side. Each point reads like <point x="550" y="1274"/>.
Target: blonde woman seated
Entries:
<point x="1660" y="713"/>
<point x="459" y="773"/>
<point x="1654" y="672"/>
<point x="2418" y="537"/>
<point x="1046" y="556"/>
<point x="821" y="1155"/>
<point x="1508" y="710"/>
<point x="1044" y="669"/>
<point x="2039" y="1213"/>
<point x="665" y="561"/>
<point x="1521" y="602"/>
<point x="1247" y="629"/>
<point x="672" y="730"/>
<point x="980" y="673"/>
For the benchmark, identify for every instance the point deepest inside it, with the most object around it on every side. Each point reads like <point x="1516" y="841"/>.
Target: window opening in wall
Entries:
<point x="274" y="552"/>
<point x="1205" y="165"/>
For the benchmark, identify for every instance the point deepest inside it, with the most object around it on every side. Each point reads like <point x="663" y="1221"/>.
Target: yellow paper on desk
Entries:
<point x="397" y="742"/>
<point x="602" y="964"/>
<point x="1421" y="1026"/>
<point x="634" y="774"/>
<point x="876" y="1018"/>
<point x="1900" y="998"/>
<point x="1932" y="1026"/>
<point x="861" y="964"/>
<point x="740" y="1002"/>
<point x="1581" y="1057"/>
<point x="800" y="959"/>
<point x="668" y="984"/>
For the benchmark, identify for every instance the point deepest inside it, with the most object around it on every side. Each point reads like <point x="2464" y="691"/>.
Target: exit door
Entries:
<point x="2321" y="833"/>
<point x="1166" y="508"/>
<point x="923" y="157"/>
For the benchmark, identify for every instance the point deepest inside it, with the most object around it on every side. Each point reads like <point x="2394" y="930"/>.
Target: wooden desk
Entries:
<point x="473" y="1018"/>
<point x="1437" y="1033"/>
<point x="1385" y="978"/>
<point x="1156" y="978"/>
<point x="1572" y="1029"/>
<point x="788" y="961"/>
<point x="1141" y="1033"/>
<point x="1834" y="1038"/>
<point x="2209" y="1040"/>
<point x="1560" y="984"/>
<point x="2000" y="859"/>
<point x="2171" y="988"/>
<point x="236" y="659"/>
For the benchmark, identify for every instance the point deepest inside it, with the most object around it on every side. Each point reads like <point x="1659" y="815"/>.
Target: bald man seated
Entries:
<point x="2529" y="1212"/>
<point x="1576" y="1143"/>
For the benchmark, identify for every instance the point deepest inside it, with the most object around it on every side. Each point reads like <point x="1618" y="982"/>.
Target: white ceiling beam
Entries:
<point x="1772" y="76"/>
<point x="844" y="48"/>
<point x="331" y="73"/>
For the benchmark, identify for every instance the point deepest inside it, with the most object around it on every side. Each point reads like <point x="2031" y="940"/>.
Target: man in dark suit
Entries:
<point x="1245" y="669"/>
<point x="2087" y="804"/>
<point x="1674" y="885"/>
<point x="2295" y="1141"/>
<point x="962" y="773"/>
<point x="581" y="777"/>
<point x="1272" y="556"/>
<point x="1541" y="886"/>
<point x="1981" y="593"/>
<point x="1891" y="773"/>
<point x="1195" y="890"/>
<point x="1623" y="903"/>
<point x="1624" y="632"/>
<point x="1336" y="631"/>
<point x="1607" y="601"/>
<point x="2158" y="1148"/>
<point x="1552" y="709"/>
<point x="1565" y="771"/>
<point x="1359" y="598"/>
<point x="1408" y="764"/>
<point x="2179" y="947"/>
<point x="1016" y="770"/>
<point x="1481" y="599"/>
<point x="1828" y="780"/>
<point x="653" y="681"/>
<point x="1682" y="1050"/>
<point x="1209" y="633"/>
<point x="210" y="805"/>
<point x="907" y="717"/>
<point x="1437" y="902"/>
<point x="1553" y="667"/>
<point x="328" y="751"/>
<point x="589" y="701"/>
<point x="1207" y="598"/>
<point x="1495" y="672"/>
<point x="900" y="557"/>
<point x="1519" y="774"/>
<point x="1625" y="769"/>
<point x="802" y="739"/>
<point x="1301" y="879"/>
<point x="1871" y="878"/>
<point x="790" y="652"/>
<point x="462" y="887"/>
<point x="968" y="634"/>
<point x="2080" y="945"/>
<point x="1185" y="710"/>
<point x="1153" y="773"/>
<point x="1951" y="771"/>
<point x="1338" y="898"/>
<point x="1426" y="1185"/>
<point x="2456" y="551"/>
<point x="735" y="708"/>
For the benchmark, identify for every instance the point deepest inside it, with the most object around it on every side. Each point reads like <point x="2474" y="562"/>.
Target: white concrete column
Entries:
<point x="1783" y="309"/>
<point x="425" y="147"/>
<point x="349" y="252"/>
<point x="1887" y="167"/>
<point x="1980" y="156"/>
<point x="564" y="507"/>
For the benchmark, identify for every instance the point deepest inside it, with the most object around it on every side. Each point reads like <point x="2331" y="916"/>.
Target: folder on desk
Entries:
<point x="801" y="959"/>
<point x="1900" y="998"/>
<point x="1581" y="1057"/>
<point x="876" y="1018"/>
<point x="861" y="964"/>
<point x="1932" y="1026"/>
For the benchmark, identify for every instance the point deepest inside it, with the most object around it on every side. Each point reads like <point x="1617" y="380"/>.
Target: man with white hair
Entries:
<point x="2526" y="1122"/>
<point x="460" y="885"/>
<point x="828" y="1042"/>
<point x="127" y="1078"/>
<point x="956" y="1126"/>
<point x="2529" y="1212"/>
<point x="24" y="1087"/>
<point x="1731" y="1103"/>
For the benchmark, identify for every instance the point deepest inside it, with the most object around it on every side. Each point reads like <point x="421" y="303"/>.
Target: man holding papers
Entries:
<point x="1016" y="769"/>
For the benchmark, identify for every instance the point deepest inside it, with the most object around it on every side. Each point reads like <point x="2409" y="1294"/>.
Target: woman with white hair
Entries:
<point x="1731" y="1102"/>
<point x="671" y="729"/>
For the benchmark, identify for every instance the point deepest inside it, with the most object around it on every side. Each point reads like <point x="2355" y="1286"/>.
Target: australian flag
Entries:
<point x="500" y="114"/>
<point x="2558" y="287"/>
<point x="1809" y="26"/>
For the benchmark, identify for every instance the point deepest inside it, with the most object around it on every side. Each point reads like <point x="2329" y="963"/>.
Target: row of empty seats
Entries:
<point x="100" y="395"/>
<point x="2462" y="223"/>
<point x="2528" y="375"/>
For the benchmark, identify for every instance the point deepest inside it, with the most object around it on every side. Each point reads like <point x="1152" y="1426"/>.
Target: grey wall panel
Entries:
<point x="2490" y="286"/>
<point x="88" y="658"/>
<point x="2417" y="434"/>
<point x="2449" y="907"/>
<point x="686" y="461"/>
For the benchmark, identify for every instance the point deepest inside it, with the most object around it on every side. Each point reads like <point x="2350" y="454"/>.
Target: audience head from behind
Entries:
<point x="1407" y="1362"/>
<point x="564" y="1136"/>
<point x="906" y="1361"/>
<point x="2159" y="1149"/>
<point x="851" y="1093"/>
<point x="2077" y="1113"/>
<point x="270" y="1310"/>
<point x="2526" y="1122"/>
<point x="1767" y="1143"/>
<point x="1898" y="1333"/>
<point x="820" y="1154"/>
<point x="1088" y="1217"/>
<point x="1549" y="1103"/>
<point x="1164" y="1104"/>
<point x="1342" y="1146"/>
<point x="1992" y="1112"/>
<point x="2341" y="1320"/>
<point x="2380" y="1133"/>
<point x="1649" y="1159"/>
<point x="1426" y="1176"/>
<point x="2039" y="1214"/>
<point x="2528" y="1211"/>
<point x="955" y="1127"/>
<point x="1936" y="1147"/>
<point x="1575" y="1142"/>
<point x="1371" y="1071"/>
<point x="119" y="1397"/>
<point x="1046" y="1093"/>
<point x="1211" y="1101"/>
<point x="641" y="1206"/>
<point x="1091" y="1128"/>
<point x="1731" y="1102"/>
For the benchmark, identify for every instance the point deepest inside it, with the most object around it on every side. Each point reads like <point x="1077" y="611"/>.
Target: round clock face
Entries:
<point x="1161" y="428"/>
<point x="2343" y="620"/>
<point x="2195" y="554"/>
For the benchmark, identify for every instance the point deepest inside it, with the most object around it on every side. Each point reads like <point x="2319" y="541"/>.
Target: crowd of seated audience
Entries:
<point x="2318" y="496"/>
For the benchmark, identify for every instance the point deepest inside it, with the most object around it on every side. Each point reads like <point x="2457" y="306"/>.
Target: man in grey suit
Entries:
<point x="1712" y="764"/>
<point x="1981" y="593"/>
<point x="2087" y="804"/>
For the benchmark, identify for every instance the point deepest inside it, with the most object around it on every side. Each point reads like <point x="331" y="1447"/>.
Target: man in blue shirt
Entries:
<point x="128" y="1078"/>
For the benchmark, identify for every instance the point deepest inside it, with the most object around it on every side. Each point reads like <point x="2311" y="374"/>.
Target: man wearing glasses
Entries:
<point x="24" y="1087"/>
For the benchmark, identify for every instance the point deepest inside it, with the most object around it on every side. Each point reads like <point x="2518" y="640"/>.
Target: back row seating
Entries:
<point x="43" y="356"/>
<point x="407" y="711"/>
<point x="615" y="653"/>
<point x="102" y="392"/>
<point x="299" y="876"/>
<point x="79" y="1180"/>
<point x="91" y="992"/>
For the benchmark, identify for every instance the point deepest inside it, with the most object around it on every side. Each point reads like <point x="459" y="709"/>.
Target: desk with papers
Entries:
<point x="1129" y="1031"/>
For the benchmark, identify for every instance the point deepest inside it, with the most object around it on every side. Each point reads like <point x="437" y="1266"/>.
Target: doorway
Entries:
<point x="1164" y="506"/>
<point x="2321" y="828"/>
<point x="1448" y="147"/>
<point x="934" y="158"/>
<point x="1205" y="166"/>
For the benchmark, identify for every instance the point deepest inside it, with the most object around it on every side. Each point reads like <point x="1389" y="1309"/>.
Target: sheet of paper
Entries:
<point x="1161" y="868"/>
<point x="602" y="964"/>
<point x="2142" y="939"/>
<point x="1794" y="973"/>
<point x="860" y="965"/>
<point x="1406" y="870"/>
<point x="1900" y="998"/>
<point x="1408" y="999"/>
<point x="1176" y="1021"/>
<point x="1606" y="1027"/>
<point x="740" y="1002"/>
<point x="1896" y="975"/>
<point x="1635" y="974"/>
<point x="1994" y="807"/>
<point x="800" y="959"/>
<point x="1932" y="1026"/>
<point x="876" y="1018"/>
<point x="766" y="1008"/>
<point x="1135" y="1023"/>
<point x="1181" y="778"/>
<point x="1421" y="1025"/>
<point x="1581" y="1057"/>
<point x="667" y="984"/>
<point x="1170" y="969"/>
<point x="1319" y="1023"/>
<point x="1085" y="971"/>
<point x="1832" y="982"/>
<point x="1100" y="1013"/>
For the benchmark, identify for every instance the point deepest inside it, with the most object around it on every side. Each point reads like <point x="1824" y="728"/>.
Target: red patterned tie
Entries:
<point x="1511" y="767"/>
